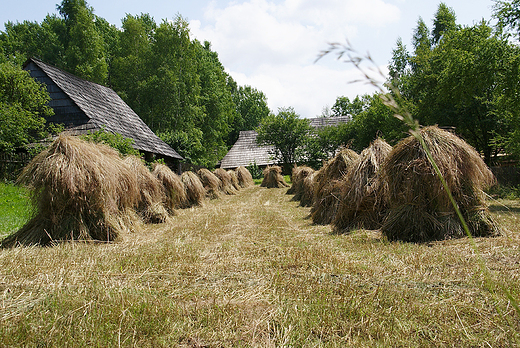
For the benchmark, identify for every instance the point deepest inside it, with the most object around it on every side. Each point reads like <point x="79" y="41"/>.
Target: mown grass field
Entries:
<point x="252" y="271"/>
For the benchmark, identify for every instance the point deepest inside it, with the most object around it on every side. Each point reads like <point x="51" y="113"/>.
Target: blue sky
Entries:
<point x="272" y="44"/>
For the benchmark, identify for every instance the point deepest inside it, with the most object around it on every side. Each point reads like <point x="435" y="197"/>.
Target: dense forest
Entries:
<point x="465" y="78"/>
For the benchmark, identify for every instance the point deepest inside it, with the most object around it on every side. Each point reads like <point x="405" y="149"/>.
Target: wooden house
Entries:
<point x="246" y="151"/>
<point x="83" y="107"/>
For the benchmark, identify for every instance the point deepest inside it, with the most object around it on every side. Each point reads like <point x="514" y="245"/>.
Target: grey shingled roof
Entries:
<point x="93" y="107"/>
<point x="245" y="151"/>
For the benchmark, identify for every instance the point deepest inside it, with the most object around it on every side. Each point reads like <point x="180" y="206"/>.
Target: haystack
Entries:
<point x="81" y="191"/>
<point x="245" y="179"/>
<point x="234" y="179"/>
<point x="273" y="178"/>
<point x="328" y="186"/>
<point x="172" y="186"/>
<point x="361" y="204"/>
<point x="210" y="182"/>
<point x="308" y="188"/>
<point x="151" y="204"/>
<point x="226" y="181"/>
<point x="298" y="176"/>
<point x="419" y="207"/>
<point x="195" y="191"/>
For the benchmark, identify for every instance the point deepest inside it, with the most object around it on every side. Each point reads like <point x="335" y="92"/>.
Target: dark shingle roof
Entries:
<point x="93" y="107"/>
<point x="246" y="151"/>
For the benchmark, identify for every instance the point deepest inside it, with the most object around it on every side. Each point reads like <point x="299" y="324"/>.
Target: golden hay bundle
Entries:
<point x="298" y="176"/>
<point x="419" y="207"/>
<point x="81" y="191"/>
<point x="195" y="191"/>
<point x="211" y="183"/>
<point x="173" y="187"/>
<point x="234" y="179"/>
<point x="328" y="186"/>
<point x="361" y="204"/>
<point x="226" y="181"/>
<point x="150" y="206"/>
<point x="273" y="178"/>
<point x="244" y="177"/>
<point x="308" y="188"/>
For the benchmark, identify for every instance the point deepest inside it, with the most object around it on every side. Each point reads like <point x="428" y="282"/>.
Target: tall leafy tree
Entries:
<point x="286" y="132"/>
<point x="443" y="22"/>
<point x="251" y="109"/>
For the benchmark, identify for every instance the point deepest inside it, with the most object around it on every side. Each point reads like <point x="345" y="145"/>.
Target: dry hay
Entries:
<point x="151" y="205"/>
<point x="327" y="188"/>
<point x="298" y="176"/>
<point x="173" y="187"/>
<point x="273" y="178"/>
<point x="226" y="182"/>
<point x="361" y="204"/>
<point x="308" y="188"/>
<point x="211" y="183"/>
<point x="234" y="179"/>
<point x="81" y="191"/>
<point x="195" y="191"/>
<point x="244" y="177"/>
<point x="419" y="207"/>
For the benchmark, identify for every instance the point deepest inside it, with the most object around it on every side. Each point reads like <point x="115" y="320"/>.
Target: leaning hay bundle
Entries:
<point x="211" y="183"/>
<point x="419" y="207"/>
<point x="152" y="197"/>
<point x="328" y="186"/>
<point x="298" y="176"/>
<point x="81" y="191"/>
<point x="173" y="187"/>
<point x="195" y="191"/>
<point x="226" y="181"/>
<point x="361" y="204"/>
<point x="245" y="179"/>
<point x="308" y="188"/>
<point x="273" y="178"/>
<point x="234" y="179"/>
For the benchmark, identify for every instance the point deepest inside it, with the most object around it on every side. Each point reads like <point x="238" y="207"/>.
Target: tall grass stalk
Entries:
<point x="393" y="99"/>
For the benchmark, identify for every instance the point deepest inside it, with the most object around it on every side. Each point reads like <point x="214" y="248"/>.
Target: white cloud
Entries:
<point x="273" y="46"/>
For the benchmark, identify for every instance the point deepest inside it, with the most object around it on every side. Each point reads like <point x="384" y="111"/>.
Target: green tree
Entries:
<point x="444" y="22"/>
<point x="507" y="12"/>
<point x="344" y="107"/>
<point x="251" y="106"/>
<point x="23" y="106"/>
<point x="287" y="132"/>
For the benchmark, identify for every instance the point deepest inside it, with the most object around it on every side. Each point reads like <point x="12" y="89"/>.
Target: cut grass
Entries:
<point x="252" y="271"/>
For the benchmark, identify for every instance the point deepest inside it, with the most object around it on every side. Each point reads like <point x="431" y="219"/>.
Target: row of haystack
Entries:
<point x="397" y="190"/>
<point x="87" y="191"/>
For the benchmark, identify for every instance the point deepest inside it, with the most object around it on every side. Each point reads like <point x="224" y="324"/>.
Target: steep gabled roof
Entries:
<point x="84" y="106"/>
<point x="246" y="151"/>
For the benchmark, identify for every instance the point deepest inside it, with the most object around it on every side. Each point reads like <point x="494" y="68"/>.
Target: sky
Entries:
<point x="272" y="45"/>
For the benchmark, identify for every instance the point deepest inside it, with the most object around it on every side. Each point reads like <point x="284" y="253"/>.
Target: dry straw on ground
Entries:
<point x="419" y="207"/>
<point x="244" y="177"/>
<point x="211" y="183"/>
<point x="362" y="205"/>
<point x="81" y="191"/>
<point x="234" y="179"/>
<point x="298" y="176"/>
<point x="226" y="181"/>
<point x="173" y="187"/>
<point x="151" y="204"/>
<point x="273" y="178"/>
<point x="195" y="191"/>
<point x="328" y="185"/>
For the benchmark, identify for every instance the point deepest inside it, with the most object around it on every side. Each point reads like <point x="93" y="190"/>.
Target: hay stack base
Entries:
<point x="419" y="207"/>
<point x="226" y="181"/>
<point x="273" y="178"/>
<point x="245" y="179"/>
<point x="195" y="191"/>
<point x="81" y="191"/>
<point x="298" y="177"/>
<point x="174" y="191"/>
<point x="211" y="183"/>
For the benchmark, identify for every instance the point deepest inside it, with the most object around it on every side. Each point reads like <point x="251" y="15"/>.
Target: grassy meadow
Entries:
<point x="252" y="270"/>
